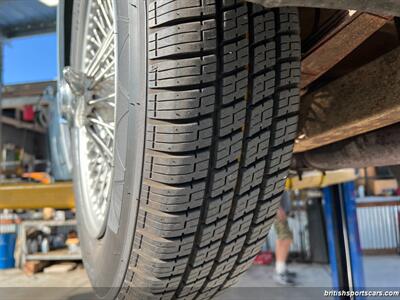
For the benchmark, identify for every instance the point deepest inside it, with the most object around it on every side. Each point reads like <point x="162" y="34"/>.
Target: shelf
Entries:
<point x="54" y="255"/>
<point x="369" y="199"/>
<point x="49" y="223"/>
<point x="23" y="125"/>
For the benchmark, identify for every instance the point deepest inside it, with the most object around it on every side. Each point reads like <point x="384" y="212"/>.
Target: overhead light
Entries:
<point x="49" y="2"/>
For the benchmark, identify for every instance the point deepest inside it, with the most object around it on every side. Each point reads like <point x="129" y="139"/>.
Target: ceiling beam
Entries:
<point x="23" y="30"/>
<point x="19" y="102"/>
<point x="28" y="89"/>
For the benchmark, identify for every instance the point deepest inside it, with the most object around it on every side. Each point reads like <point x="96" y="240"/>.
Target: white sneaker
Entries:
<point x="284" y="279"/>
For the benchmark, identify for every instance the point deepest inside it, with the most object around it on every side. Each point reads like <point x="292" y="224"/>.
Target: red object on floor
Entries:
<point x="28" y="113"/>
<point x="264" y="258"/>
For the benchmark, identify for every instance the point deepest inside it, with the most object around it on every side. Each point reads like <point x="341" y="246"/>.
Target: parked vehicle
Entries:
<point x="183" y="118"/>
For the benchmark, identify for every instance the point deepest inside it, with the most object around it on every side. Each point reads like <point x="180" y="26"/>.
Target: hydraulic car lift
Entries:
<point x="343" y="239"/>
<point x="339" y="210"/>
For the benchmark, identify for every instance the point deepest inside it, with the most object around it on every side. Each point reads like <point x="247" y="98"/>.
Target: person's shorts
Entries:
<point x="283" y="231"/>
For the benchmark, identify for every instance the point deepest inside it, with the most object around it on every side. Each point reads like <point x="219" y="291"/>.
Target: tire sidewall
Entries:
<point x="106" y="259"/>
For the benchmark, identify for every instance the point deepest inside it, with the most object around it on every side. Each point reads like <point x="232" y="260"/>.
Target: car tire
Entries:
<point x="206" y="104"/>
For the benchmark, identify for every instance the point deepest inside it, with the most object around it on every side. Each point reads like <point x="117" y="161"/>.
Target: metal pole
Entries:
<point x="334" y="239"/>
<point x="346" y="243"/>
<point x="1" y="109"/>
<point x="343" y="240"/>
<point x="353" y="236"/>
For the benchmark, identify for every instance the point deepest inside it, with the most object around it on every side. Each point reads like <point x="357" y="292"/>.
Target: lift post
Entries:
<point x="343" y="239"/>
<point x="1" y="104"/>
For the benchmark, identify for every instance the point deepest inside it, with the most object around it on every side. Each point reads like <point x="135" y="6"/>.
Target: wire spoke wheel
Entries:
<point x="95" y="111"/>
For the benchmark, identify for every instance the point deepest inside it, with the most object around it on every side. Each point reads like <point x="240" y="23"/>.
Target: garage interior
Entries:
<point x="345" y="219"/>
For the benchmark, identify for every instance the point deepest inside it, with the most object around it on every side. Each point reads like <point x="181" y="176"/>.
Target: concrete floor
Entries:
<point x="257" y="283"/>
<point x="312" y="280"/>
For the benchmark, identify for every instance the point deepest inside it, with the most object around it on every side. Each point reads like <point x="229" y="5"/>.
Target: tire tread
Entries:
<point x="222" y="119"/>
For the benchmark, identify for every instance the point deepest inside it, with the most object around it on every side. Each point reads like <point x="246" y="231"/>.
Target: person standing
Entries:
<point x="283" y="242"/>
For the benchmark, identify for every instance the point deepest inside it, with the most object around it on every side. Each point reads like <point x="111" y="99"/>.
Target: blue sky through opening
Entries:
<point x="30" y="59"/>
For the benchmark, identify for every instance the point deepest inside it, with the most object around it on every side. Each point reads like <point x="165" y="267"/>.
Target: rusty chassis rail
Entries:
<point x="386" y="7"/>
<point x="376" y="148"/>
<point x="338" y="44"/>
<point x="361" y="101"/>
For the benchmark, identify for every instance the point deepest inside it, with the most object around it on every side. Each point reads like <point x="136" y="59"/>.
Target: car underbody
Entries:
<point x="350" y="84"/>
<point x="390" y="7"/>
<point x="350" y="58"/>
<point x="180" y="101"/>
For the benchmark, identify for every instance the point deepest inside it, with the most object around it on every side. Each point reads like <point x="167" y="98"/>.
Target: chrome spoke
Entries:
<point x="109" y="6"/>
<point x="99" y="142"/>
<point x="103" y="186"/>
<point x="104" y="46"/>
<point x="95" y="68"/>
<point x="103" y="10"/>
<point x="100" y="175"/>
<point x="108" y="127"/>
<point x="103" y="99"/>
<point x="95" y="42"/>
<point x="95" y="107"/>
<point x="97" y="178"/>
<point x="100" y="26"/>
<point x="96" y="35"/>
<point x="100" y="77"/>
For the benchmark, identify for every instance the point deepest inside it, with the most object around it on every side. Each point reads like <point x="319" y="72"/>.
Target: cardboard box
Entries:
<point x="380" y="187"/>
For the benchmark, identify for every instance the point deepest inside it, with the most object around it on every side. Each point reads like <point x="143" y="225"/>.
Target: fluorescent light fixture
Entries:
<point x="49" y="2"/>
